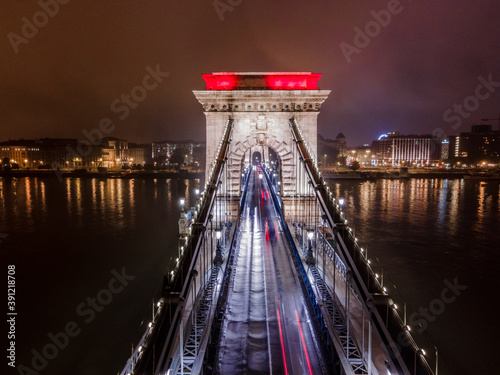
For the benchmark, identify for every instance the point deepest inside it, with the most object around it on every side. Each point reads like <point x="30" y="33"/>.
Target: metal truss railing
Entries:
<point x="339" y="323"/>
<point x="204" y="310"/>
<point x="202" y="315"/>
<point x="181" y="320"/>
<point x="373" y="296"/>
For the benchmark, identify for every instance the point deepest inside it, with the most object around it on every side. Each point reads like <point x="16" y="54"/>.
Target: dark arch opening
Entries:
<point x="273" y="165"/>
<point x="256" y="158"/>
<point x="273" y="157"/>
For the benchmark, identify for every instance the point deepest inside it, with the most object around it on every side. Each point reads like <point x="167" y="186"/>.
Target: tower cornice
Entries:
<point x="261" y="100"/>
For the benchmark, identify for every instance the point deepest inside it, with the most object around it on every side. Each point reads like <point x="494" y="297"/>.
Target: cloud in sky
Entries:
<point x="65" y="78"/>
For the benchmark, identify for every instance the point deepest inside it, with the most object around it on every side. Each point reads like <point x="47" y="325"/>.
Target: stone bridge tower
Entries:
<point x="261" y="106"/>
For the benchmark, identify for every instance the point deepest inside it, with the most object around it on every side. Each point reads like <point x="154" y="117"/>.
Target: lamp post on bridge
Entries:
<point x="310" y="257"/>
<point x="419" y="352"/>
<point x="218" y="250"/>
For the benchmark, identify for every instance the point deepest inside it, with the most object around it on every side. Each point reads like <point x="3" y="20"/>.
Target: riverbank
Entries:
<point x="184" y="174"/>
<point x="394" y="174"/>
<point x="105" y="175"/>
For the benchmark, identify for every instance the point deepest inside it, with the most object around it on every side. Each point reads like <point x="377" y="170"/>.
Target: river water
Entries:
<point x="89" y="255"/>
<point x="426" y="233"/>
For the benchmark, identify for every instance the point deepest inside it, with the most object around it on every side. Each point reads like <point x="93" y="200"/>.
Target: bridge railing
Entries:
<point x="162" y="346"/>
<point x="403" y="353"/>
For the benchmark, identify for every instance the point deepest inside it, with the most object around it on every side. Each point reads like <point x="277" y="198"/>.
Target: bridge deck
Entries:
<point x="267" y="327"/>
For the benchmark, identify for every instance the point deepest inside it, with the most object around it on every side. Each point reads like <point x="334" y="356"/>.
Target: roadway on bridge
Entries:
<point x="267" y="327"/>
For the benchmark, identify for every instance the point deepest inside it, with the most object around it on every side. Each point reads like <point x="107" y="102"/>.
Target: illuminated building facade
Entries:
<point x="25" y="154"/>
<point x="362" y="154"/>
<point x="163" y="151"/>
<point x="33" y="153"/>
<point x="479" y="146"/>
<point x="445" y="149"/>
<point x="395" y="149"/>
<point x="46" y="153"/>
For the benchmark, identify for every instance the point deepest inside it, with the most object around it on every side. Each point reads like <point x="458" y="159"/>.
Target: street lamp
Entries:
<point x="420" y="352"/>
<point x="218" y="250"/>
<point x="310" y="258"/>
<point x="341" y="201"/>
<point x="182" y="202"/>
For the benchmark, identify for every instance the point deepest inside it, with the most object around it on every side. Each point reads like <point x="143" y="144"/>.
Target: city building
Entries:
<point x="69" y="153"/>
<point x="112" y="153"/>
<point x="445" y="149"/>
<point x="62" y="152"/>
<point x="139" y="154"/>
<point x="395" y="149"/>
<point x="178" y="152"/>
<point x="34" y="153"/>
<point x="332" y="151"/>
<point x="23" y="153"/>
<point x="118" y="153"/>
<point x="361" y="154"/>
<point x="480" y="146"/>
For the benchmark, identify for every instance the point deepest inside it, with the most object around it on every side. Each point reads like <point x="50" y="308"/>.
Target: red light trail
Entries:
<point x="281" y="339"/>
<point x="304" y="344"/>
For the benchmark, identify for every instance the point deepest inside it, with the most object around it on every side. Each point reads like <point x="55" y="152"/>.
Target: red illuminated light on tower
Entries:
<point x="262" y="81"/>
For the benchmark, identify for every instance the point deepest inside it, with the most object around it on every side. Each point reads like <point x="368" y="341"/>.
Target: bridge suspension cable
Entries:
<point x="339" y="287"/>
<point x="402" y="353"/>
<point x="195" y="272"/>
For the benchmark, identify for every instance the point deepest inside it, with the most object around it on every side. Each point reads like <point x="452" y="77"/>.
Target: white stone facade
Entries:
<point x="261" y="121"/>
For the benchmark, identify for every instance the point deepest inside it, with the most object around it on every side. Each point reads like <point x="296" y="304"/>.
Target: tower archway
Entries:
<point x="261" y="106"/>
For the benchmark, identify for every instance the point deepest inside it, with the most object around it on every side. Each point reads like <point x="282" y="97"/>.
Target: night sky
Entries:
<point x="427" y="57"/>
